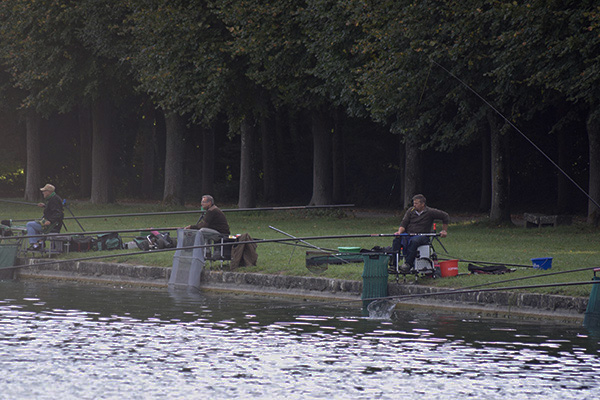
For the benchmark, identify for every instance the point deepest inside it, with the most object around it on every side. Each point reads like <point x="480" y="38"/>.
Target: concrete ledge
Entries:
<point x="90" y="271"/>
<point x="314" y="287"/>
<point x="500" y="304"/>
<point x="490" y="304"/>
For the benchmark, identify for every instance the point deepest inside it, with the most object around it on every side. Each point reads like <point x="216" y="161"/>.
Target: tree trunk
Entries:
<point x="402" y="171"/>
<point x="412" y="171"/>
<point x="268" y="160"/>
<point x="563" y="196"/>
<point x="339" y="175"/>
<point x="148" y="136"/>
<point x="247" y="194"/>
<point x="102" y="192"/>
<point x="500" y="208"/>
<point x="208" y="160"/>
<point x="593" y="128"/>
<point x="33" y="179"/>
<point x="173" y="191"/>
<point x="322" y="160"/>
<point x="84" y="116"/>
<point x="486" y="174"/>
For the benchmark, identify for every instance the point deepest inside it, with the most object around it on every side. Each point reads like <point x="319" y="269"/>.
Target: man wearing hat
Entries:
<point x="52" y="219"/>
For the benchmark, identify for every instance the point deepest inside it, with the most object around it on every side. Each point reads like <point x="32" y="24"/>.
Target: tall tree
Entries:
<point x="64" y="54"/>
<point x="33" y="180"/>
<point x="176" y="126"/>
<point x="277" y="40"/>
<point x="181" y="55"/>
<point x="247" y="195"/>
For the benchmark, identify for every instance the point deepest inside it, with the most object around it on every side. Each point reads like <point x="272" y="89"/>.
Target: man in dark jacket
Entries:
<point x="213" y="223"/>
<point x="418" y="219"/>
<point x="52" y="220"/>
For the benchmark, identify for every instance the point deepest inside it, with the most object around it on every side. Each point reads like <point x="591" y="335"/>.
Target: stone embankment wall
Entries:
<point x="490" y="304"/>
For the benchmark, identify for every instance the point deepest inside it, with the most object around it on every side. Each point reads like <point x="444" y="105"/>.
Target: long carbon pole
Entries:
<point x="308" y="244"/>
<point x="464" y="291"/>
<point x="306" y="238"/>
<point x="203" y="211"/>
<point x="19" y="202"/>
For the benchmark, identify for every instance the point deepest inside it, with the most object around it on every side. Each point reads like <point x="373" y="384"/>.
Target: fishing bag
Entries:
<point x="81" y="243"/>
<point x="489" y="269"/>
<point x="5" y="229"/>
<point x="109" y="241"/>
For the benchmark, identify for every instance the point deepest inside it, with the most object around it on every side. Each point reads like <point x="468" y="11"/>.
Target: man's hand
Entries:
<point x="443" y="233"/>
<point x="41" y="205"/>
<point x="46" y="223"/>
<point x="400" y="231"/>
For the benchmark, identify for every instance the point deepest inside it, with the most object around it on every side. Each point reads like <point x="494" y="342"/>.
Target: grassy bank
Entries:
<point x="470" y="238"/>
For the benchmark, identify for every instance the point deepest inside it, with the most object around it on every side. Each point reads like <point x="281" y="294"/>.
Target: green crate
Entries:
<point x="375" y="277"/>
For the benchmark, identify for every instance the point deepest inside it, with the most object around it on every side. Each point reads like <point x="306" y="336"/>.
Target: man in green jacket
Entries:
<point x="418" y="219"/>
<point x="52" y="220"/>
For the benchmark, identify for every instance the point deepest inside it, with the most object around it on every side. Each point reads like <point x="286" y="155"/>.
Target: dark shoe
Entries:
<point x="404" y="268"/>
<point x="34" y="247"/>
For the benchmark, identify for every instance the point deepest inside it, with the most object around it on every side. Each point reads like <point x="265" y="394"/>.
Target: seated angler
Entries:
<point x="52" y="220"/>
<point x="213" y="224"/>
<point x="418" y="219"/>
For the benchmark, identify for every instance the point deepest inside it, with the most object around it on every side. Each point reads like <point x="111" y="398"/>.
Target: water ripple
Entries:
<point x="201" y="348"/>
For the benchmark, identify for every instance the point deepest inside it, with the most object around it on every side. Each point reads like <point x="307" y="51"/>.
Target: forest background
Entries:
<point x="313" y="102"/>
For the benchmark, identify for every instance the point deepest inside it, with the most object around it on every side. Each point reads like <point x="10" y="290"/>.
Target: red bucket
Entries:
<point x="449" y="268"/>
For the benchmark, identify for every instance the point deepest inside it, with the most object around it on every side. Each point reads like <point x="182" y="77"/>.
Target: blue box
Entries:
<point x="542" y="263"/>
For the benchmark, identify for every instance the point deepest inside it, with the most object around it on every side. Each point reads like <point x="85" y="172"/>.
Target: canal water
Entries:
<point x="73" y="341"/>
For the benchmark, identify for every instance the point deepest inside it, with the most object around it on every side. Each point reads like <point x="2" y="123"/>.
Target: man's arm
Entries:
<point x="444" y="231"/>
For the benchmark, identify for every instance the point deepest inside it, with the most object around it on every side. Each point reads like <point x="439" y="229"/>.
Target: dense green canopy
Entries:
<point x="433" y="84"/>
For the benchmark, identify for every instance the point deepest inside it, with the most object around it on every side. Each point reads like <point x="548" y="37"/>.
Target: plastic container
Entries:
<point x="591" y="319"/>
<point x="349" y="249"/>
<point x="449" y="268"/>
<point x="375" y="278"/>
<point x="542" y="263"/>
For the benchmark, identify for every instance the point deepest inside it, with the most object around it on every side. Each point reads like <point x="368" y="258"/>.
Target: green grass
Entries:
<point x="572" y="247"/>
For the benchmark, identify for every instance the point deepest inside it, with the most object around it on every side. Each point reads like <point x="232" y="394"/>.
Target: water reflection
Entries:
<point x="78" y="341"/>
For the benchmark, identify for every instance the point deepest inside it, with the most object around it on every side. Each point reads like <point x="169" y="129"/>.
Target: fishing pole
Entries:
<point x="53" y="235"/>
<point x="531" y="277"/>
<point x="374" y="300"/>
<point x="489" y="263"/>
<point x="308" y="244"/>
<point x="19" y="202"/>
<point x="261" y="241"/>
<point x="466" y="291"/>
<point x="284" y="208"/>
<point x="521" y="278"/>
<point x="520" y="132"/>
<point x="68" y="208"/>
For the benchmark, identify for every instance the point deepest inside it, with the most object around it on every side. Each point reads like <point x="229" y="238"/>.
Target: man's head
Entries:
<point x="419" y="202"/>
<point x="207" y="201"/>
<point x="47" y="190"/>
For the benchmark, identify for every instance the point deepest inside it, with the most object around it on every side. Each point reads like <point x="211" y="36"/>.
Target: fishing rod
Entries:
<point x="19" y="202"/>
<point x="284" y="208"/>
<point x="517" y="279"/>
<point x="531" y="277"/>
<point x="53" y="235"/>
<point x="68" y="208"/>
<point x="520" y="132"/>
<point x="490" y="263"/>
<point x="261" y="241"/>
<point x="380" y="300"/>
<point x="308" y="244"/>
<point x="466" y="291"/>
